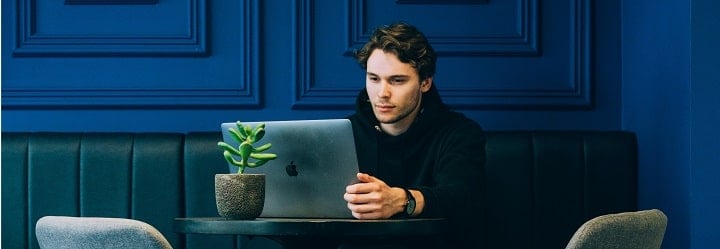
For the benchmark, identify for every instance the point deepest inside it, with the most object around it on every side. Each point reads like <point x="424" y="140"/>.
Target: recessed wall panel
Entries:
<point x="499" y="55"/>
<point x="132" y="63"/>
<point x="60" y="28"/>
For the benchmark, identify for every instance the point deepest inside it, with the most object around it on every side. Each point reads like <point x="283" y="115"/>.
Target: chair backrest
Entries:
<point x="96" y="232"/>
<point x="632" y="230"/>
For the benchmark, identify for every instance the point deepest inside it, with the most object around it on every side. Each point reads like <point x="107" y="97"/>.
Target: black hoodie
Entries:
<point x="442" y="154"/>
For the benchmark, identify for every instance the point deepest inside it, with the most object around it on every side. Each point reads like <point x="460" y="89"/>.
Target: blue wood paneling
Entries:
<point x="130" y="56"/>
<point x="489" y="55"/>
<point x="477" y="30"/>
<point x="508" y="64"/>
<point x="54" y="28"/>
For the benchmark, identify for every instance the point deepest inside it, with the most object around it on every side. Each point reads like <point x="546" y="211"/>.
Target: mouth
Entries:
<point x="384" y="107"/>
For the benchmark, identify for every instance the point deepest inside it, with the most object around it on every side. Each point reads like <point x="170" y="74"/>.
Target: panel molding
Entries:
<point x="441" y="1"/>
<point x="577" y="94"/>
<point x="31" y="43"/>
<point x="104" y="2"/>
<point x="306" y="95"/>
<point x="246" y="94"/>
<point x="523" y="42"/>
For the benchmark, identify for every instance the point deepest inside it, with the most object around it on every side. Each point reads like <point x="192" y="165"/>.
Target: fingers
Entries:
<point x="367" y="184"/>
<point x="368" y="216"/>
<point x="366" y="212"/>
<point x="362" y="177"/>
<point x="363" y="208"/>
<point x="352" y="198"/>
<point x="364" y="205"/>
<point x="362" y="198"/>
<point x="366" y="199"/>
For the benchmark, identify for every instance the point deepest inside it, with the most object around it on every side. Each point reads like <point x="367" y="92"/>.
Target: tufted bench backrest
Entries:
<point x="539" y="185"/>
<point x="542" y="185"/>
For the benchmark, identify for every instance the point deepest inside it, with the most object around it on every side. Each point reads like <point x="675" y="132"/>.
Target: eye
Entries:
<point x="372" y="78"/>
<point x="397" y="81"/>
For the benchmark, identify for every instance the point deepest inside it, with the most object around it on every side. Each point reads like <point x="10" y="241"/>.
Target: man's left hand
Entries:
<point x="372" y="198"/>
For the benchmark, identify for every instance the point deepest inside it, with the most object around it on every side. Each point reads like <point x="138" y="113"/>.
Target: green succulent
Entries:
<point x="246" y="136"/>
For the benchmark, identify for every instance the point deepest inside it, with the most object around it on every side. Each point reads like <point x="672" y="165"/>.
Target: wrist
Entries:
<point x="409" y="208"/>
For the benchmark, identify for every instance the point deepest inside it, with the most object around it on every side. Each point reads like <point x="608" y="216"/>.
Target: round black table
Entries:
<point x="311" y="233"/>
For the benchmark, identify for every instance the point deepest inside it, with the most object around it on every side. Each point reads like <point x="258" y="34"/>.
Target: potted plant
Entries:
<point x="239" y="195"/>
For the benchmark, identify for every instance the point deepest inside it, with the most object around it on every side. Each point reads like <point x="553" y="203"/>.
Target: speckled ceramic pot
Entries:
<point x="240" y="196"/>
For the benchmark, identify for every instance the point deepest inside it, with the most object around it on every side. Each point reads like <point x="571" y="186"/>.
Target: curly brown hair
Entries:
<point x="406" y="42"/>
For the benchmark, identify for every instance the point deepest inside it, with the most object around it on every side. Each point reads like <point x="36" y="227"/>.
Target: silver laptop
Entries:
<point x="316" y="161"/>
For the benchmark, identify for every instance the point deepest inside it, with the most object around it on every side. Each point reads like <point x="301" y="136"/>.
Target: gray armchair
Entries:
<point x="632" y="230"/>
<point x="58" y="232"/>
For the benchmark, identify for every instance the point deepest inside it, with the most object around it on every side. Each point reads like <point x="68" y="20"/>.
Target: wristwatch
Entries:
<point x="410" y="204"/>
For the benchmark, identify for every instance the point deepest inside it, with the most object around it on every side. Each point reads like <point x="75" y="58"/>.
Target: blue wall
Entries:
<point x="507" y="64"/>
<point x="705" y="116"/>
<point x="670" y="88"/>
<point x="656" y="105"/>
<point x="180" y="66"/>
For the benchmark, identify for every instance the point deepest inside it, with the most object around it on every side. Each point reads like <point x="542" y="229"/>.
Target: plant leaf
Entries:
<point x="228" y="148"/>
<point x="262" y="148"/>
<point x="259" y="134"/>
<point x="257" y="163"/>
<point x="231" y="159"/>
<point x="237" y="135"/>
<point x="241" y="131"/>
<point x="263" y="156"/>
<point x="248" y="131"/>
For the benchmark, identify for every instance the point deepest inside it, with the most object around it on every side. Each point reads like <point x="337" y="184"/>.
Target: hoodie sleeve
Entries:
<point x="456" y="193"/>
<point x="459" y="167"/>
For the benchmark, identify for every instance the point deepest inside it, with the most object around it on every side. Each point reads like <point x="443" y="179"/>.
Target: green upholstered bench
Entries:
<point x="540" y="185"/>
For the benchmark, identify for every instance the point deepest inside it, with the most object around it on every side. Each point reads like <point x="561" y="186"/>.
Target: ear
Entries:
<point x="426" y="84"/>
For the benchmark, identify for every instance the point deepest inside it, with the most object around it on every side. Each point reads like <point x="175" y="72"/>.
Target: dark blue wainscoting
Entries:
<point x="189" y="65"/>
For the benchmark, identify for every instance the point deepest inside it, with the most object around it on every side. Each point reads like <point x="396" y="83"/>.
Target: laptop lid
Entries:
<point x="316" y="160"/>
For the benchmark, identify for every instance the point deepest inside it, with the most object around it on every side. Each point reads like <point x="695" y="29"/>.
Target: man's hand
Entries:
<point x="371" y="198"/>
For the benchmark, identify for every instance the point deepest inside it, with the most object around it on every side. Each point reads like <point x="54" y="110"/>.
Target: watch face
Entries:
<point x="410" y="208"/>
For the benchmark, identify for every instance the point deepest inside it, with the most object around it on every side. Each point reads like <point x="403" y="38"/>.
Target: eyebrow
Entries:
<point x="401" y="76"/>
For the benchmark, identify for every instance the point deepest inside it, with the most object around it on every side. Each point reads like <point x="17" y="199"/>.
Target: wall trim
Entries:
<point x="31" y="43"/>
<point x="245" y="94"/>
<point x="523" y="42"/>
<point x="576" y="93"/>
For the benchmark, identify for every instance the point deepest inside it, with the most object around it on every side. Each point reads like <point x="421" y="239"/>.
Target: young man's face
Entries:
<point x="394" y="88"/>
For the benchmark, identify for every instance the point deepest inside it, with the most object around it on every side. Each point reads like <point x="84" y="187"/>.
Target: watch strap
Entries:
<point x="409" y="208"/>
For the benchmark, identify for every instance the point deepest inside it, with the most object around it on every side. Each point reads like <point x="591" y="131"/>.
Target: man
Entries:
<point x="418" y="158"/>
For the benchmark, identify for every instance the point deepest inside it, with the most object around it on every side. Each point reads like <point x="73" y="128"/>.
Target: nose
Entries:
<point x="383" y="90"/>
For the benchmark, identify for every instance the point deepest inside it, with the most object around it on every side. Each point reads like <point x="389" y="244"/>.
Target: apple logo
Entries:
<point x="291" y="169"/>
